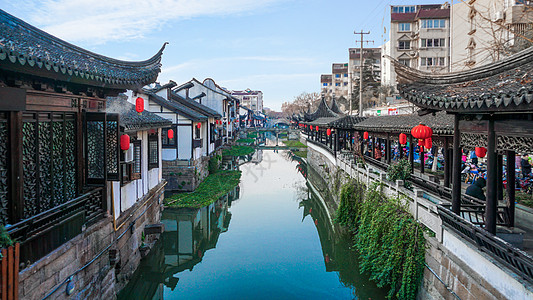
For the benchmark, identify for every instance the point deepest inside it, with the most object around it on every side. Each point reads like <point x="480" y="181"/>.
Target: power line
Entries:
<point x="360" y="72"/>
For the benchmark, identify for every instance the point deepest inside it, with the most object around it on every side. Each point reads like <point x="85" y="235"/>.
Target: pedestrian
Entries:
<point x="377" y="153"/>
<point x="476" y="189"/>
<point x="525" y="165"/>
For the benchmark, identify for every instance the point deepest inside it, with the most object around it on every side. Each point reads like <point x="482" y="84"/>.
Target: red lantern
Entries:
<point x="328" y="132"/>
<point x="198" y="125"/>
<point x="365" y="135"/>
<point x="420" y="142"/>
<point x="316" y="128"/>
<point x="124" y="142"/>
<point x="139" y="105"/>
<point x="428" y="143"/>
<point x="481" y="152"/>
<point x="421" y="131"/>
<point x="311" y="127"/>
<point x="403" y="139"/>
<point x="170" y="134"/>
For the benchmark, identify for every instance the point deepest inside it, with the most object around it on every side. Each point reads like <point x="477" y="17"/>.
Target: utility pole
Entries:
<point x="360" y="73"/>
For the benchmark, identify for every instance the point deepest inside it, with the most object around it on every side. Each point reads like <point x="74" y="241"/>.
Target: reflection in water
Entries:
<point x="189" y="233"/>
<point x="269" y="252"/>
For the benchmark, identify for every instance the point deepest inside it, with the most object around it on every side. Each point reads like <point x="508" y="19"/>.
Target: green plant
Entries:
<point x="214" y="163"/>
<point x="238" y="151"/>
<point x="211" y="189"/>
<point x="390" y="242"/>
<point x="245" y="141"/>
<point x="400" y="171"/>
<point x="5" y="239"/>
<point x="294" y="144"/>
<point x="252" y="135"/>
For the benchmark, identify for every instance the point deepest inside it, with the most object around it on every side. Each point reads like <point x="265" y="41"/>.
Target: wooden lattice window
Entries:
<point x="101" y="147"/>
<point x="153" y="151"/>
<point x="137" y="160"/>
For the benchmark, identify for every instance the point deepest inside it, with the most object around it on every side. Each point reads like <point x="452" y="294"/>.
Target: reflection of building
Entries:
<point x="189" y="233"/>
<point x="257" y="157"/>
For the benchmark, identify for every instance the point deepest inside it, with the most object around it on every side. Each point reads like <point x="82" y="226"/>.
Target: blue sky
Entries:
<point x="277" y="46"/>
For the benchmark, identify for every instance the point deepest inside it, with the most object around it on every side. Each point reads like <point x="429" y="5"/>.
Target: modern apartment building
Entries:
<point x="485" y="31"/>
<point x="420" y="37"/>
<point x="371" y="58"/>
<point x="339" y="79"/>
<point x="326" y="84"/>
<point x="251" y="99"/>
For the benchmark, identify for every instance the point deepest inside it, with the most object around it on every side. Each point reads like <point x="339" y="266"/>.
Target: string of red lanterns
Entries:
<point x="198" y="125"/>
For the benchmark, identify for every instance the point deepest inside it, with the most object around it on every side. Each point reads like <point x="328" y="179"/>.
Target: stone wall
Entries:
<point x="458" y="276"/>
<point x="185" y="178"/>
<point x="100" y="279"/>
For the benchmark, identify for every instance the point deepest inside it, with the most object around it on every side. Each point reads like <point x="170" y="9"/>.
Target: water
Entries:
<point x="270" y="238"/>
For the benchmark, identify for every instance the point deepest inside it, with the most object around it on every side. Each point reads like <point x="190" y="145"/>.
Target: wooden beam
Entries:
<point x="16" y="170"/>
<point x="411" y="154"/>
<point x="447" y="163"/>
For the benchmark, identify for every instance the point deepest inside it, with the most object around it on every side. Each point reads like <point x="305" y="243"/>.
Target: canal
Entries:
<point x="272" y="237"/>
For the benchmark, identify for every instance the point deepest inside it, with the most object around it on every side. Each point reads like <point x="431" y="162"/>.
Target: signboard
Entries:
<point x="393" y="111"/>
<point x="379" y="112"/>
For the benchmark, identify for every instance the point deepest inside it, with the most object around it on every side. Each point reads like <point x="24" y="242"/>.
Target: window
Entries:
<point x="405" y="62"/>
<point x="432" y="43"/>
<point x="346" y="83"/>
<point x="432" y="61"/>
<point x="403" y="9"/>
<point x="434" y="23"/>
<point x="404" y="26"/>
<point x="404" y="45"/>
<point x="137" y="163"/>
<point x="153" y="151"/>
<point x="165" y="141"/>
<point x="345" y="74"/>
<point x="325" y="84"/>
<point x="337" y="84"/>
<point x="337" y="75"/>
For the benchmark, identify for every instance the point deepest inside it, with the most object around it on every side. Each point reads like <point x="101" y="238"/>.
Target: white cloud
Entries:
<point x="98" y="21"/>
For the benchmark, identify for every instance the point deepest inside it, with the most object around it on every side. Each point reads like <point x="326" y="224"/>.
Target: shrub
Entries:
<point x="400" y="171"/>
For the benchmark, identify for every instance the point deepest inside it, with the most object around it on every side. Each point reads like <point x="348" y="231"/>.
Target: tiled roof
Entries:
<point x="176" y="107"/>
<point x="441" y="123"/>
<point x="334" y="107"/>
<point x="402" y="17"/>
<point x="323" y="121"/>
<point x="130" y="119"/>
<point x="347" y="122"/>
<point x="433" y="13"/>
<point x="27" y="49"/>
<point x="323" y="111"/>
<point x="195" y="106"/>
<point x="506" y="85"/>
<point x="158" y="87"/>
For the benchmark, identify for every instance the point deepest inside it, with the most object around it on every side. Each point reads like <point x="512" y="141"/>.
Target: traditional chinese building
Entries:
<point x="64" y="178"/>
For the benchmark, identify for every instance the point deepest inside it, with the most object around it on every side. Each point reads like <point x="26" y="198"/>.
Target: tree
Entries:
<point x="301" y="103"/>
<point x="371" y="86"/>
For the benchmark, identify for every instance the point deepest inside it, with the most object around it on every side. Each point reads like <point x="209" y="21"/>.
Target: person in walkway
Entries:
<point x="476" y="189"/>
<point x="525" y="165"/>
<point x="377" y="152"/>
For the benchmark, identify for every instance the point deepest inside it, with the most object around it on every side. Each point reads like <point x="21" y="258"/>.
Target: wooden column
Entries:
<point x="456" y="168"/>
<point x="388" y="149"/>
<point x="400" y="149"/>
<point x="511" y="181"/>
<point x="411" y="154"/>
<point x="499" y="176"/>
<point x="16" y="170"/>
<point x="336" y="143"/>
<point x="492" y="180"/>
<point x="447" y="163"/>
<point x="421" y="148"/>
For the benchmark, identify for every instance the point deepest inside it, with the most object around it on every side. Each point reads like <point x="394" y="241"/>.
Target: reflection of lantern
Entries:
<point x="328" y="132"/>
<point x="139" y="105"/>
<point x="124" y="142"/>
<point x="198" y="125"/>
<point x="481" y="152"/>
<point x="403" y="139"/>
<point x="316" y="128"/>
<point x="428" y="143"/>
<point x="365" y="135"/>
<point x="170" y="134"/>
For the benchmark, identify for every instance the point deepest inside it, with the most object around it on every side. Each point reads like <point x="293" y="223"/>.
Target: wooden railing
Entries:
<point x="9" y="279"/>
<point x="512" y="257"/>
<point x="43" y="233"/>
